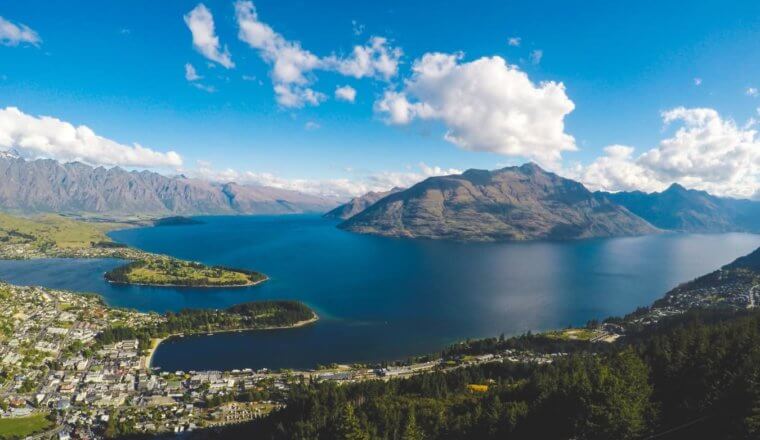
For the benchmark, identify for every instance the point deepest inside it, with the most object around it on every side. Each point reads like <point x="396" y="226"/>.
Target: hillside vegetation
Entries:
<point x="52" y="230"/>
<point x="245" y="316"/>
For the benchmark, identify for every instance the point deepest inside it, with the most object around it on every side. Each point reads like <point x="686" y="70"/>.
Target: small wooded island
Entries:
<point x="165" y="271"/>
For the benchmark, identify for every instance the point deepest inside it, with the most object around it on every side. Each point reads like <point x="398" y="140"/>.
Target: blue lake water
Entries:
<point x="381" y="298"/>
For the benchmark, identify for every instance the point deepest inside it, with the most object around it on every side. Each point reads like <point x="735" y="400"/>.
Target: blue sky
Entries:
<point x="119" y="69"/>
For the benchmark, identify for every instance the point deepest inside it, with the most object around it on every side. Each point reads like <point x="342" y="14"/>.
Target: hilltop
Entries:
<point x="513" y="203"/>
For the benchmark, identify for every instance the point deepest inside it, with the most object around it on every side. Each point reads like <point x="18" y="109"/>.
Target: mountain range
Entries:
<point x="514" y="203"/>
<point x="688" y="210"/>
<point x="359" y="204"/>
<point x="43" y="185"/>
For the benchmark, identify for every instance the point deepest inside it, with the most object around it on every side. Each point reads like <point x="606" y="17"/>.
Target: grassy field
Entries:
<point x="52" y="229"/>
<point x="168" y="271"/>
<point x="20" y="427"/>
<point x="571" y="334"/>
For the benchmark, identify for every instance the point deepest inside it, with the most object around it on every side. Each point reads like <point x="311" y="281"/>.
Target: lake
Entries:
<point x="384" y="299"/>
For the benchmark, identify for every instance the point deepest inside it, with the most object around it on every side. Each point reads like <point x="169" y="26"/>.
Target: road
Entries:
<point x="751" y="304"/>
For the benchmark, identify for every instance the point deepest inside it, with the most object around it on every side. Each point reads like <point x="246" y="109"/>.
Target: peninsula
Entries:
<point x="55" y="236"/>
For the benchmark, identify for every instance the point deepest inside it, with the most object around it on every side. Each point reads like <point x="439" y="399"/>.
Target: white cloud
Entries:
<point x="311" y="125"/>
<point x="486" y="105"/>
<point x="205" y="88"/>
<point x="340" y="188"/>
<point x="514" y="41"/>
<point x="48" y="137"/>
<point x="697" y="82"/>
<point x="536" y="56"/>
<point x="376" y="59"/>
<point x="201" y="25"/>
<point x="616" y="170"/>
<point x="191" y="74"/>
<point x="293" y="66"/>
<point x="345" y="93"/>
<point x="357" y="28"/>
<point x="706" y="152"/>
<point x="293" y="96"/>
<point x="12" y="34"/>
<point x="752" y="91"/>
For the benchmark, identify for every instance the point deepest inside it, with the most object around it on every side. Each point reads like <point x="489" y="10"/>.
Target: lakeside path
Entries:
<point x="155" y="342"/>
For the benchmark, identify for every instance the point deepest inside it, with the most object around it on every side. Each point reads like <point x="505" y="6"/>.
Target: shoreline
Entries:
<point x="249" y="284"/>
<point x="155" y="342"/>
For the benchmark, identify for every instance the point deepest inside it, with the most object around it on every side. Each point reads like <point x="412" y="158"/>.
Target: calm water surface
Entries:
<point x="383" y="298"/>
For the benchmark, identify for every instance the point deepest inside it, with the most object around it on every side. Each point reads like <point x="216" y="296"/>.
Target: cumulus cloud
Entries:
<point x="48" y="137"/>
<point x="486" y="105"/>
<point x="339" y="188"/>
<point x="514" y="41"/>
<point x="191" y="74"/>
<point x="12" y="34"/>
<point x="293" y="66"/>
<point x="697" y="82"/>
<point x="376" y="59"/>
<point x="201" y="25"/>
<point x="705" y="152"/>
<point x="345" y="93"/>
<point x="752" y="92"/>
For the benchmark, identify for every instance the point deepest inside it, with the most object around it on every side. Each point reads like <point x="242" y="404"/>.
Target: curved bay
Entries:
<point x="383" y="298"/>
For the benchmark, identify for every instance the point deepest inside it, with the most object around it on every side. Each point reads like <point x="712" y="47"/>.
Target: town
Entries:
<point x="53" y="365"/>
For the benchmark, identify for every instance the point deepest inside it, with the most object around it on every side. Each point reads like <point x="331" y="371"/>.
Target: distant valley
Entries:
<point x="359" y="204"/>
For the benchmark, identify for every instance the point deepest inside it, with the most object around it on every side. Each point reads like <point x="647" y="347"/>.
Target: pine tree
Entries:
<point x="411" y="430"/>
<point x="348" y="425"/>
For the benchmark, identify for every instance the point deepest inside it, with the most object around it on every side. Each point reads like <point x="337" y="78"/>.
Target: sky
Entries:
<point x="341" y="97"/>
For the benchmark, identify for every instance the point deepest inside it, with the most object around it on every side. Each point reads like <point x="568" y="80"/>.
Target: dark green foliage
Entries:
<point x="691" y="376"/>
<point x="107" y="245"/>
<point x="177" y="221"/>
<point x="120" y="274"/>
<point x="252" y="315"/>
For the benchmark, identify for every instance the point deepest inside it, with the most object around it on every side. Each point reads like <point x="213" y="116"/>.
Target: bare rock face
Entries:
<point x="515" y="203"/>
<point x="49" y="186"/>
<point x="359" y="204"/>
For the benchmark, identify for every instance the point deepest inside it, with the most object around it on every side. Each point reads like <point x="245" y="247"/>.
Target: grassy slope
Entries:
<point x="63" y="232"/>
<point x="20" y="427"/>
